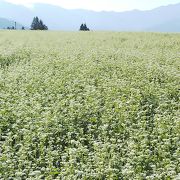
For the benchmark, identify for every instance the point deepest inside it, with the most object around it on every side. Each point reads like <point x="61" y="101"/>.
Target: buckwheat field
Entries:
<point x="89" y="105"/>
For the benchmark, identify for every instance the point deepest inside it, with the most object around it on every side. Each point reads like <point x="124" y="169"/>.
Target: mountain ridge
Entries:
<point x="58" y="18"/>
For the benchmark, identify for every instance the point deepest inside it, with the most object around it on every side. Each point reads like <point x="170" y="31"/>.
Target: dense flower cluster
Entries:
<point x="89" y="106"/>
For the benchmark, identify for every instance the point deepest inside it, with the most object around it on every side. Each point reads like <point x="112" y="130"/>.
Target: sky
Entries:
<point x="101" y="5"/>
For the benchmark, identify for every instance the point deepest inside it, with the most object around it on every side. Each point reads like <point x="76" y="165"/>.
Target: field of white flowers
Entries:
<point x="90" y="105"/>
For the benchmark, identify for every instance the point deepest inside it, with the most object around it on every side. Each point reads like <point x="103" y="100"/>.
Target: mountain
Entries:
<point x="171" y="26"/>
<point x="4" y="23"/>
<point x="165" y="18"/>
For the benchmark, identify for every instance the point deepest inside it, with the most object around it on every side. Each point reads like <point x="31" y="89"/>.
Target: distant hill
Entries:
<point x="170" y="26"/>
<point x="4" y="23"/>
<point x="165" y="18"/>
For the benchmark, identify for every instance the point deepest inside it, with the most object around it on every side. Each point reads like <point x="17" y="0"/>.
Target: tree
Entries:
<point x="41" y="25"/>
<point x="11" y="28"/>
<point x="84" y="27"/>
<point x="37" y="24"/>
<point x="34" y="25"/>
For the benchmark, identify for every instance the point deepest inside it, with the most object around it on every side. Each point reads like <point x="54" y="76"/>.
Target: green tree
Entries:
<point x="34" y="25"/>
<point x="84" y="27"/>
<point x="41" y="25"/>
<point x="37" y="24"/>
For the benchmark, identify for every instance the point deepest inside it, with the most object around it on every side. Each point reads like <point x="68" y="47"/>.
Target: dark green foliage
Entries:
<point x="38" y="24"/>
<point x="11" y="28"/>
<point x="84" y="27"/>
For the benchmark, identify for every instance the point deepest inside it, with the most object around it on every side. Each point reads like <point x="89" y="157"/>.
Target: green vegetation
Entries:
<point x="89" y="105"/>
<point x="84" y="27"/>
<point x="37" y="24"/>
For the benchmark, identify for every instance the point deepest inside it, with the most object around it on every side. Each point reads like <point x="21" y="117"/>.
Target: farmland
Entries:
<point x="95" y="105"/>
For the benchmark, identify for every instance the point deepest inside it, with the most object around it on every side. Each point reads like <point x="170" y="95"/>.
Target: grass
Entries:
<point x="95" y="105"/>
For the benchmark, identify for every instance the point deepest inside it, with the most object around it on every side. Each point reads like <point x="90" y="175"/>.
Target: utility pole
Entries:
<point x="15" y="25"/>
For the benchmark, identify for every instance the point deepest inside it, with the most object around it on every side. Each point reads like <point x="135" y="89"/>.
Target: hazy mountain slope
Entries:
<point x="16" y="12"/>
<point x="62" y="19"/>
<point x="4" y="23"/>
<point x="171" y="26"/>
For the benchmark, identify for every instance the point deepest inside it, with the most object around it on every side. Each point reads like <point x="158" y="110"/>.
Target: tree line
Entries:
<point x="14" y="28"/>
<point x="37" y="24"/>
